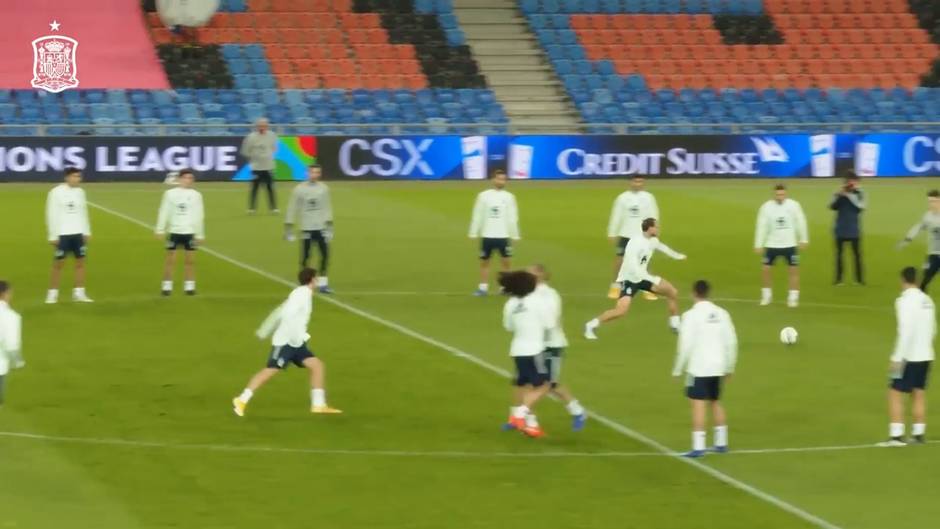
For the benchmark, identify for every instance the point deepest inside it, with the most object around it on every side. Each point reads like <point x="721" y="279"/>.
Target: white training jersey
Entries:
<point x="780" y="225"/>
<point x="917" y="327"/>
<point x="290" y="320"/>
<point x="182" y="213"/>
<point x="930" y="223"/>
<point x="630" y="209"/>
<point x="10" y="337"/>
<point x="551" y="300"/>
<point x="636" y="259"/>
<point x="529" y="323"/>
<point x="495" y="215"/>
<point x="708" y="344"/>
<point x="66" y="212"/>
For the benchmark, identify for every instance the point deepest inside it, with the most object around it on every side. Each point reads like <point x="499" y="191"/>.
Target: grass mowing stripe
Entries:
<point x="616" y="426"/>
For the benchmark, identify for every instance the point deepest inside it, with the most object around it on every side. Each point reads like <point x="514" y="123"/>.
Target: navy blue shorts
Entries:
<point x="553" y="364"/>
<point x="176" y="240"/>
<point x="530" y="370"/>
<point x="283" y="355"/>
<point x="913" y="376"/>
<point x="622" y="245"/>
<point x="70" y="244"/>
<point x="703" y="388"/>
<point x="790" y="255"/>
<point x="628" y="289"/>
<point x="488" y="246"/>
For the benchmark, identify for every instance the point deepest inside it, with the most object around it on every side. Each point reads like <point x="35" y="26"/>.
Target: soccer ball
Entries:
<point x="788" y="335"/>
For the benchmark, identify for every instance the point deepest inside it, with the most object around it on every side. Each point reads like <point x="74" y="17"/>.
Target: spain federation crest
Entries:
<point x="54" y="64"/>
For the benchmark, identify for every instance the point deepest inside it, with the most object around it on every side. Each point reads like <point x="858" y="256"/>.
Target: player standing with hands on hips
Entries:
<point x="930" y="223"/>
<point x="69" y="232"/>
<point x="626" y="219"/>
<point x="708" y="352"/>
<point x="910" y="363"/>
<point x="496" y="221"/>
<point x="311" y="202"/>
<point x="781" y="228"/>
<point x="259" y="147"/>
<point x="10" y="336"/>
<point x="181" y="221"/>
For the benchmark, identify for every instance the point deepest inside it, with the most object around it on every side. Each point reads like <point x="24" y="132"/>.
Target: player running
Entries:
<point x="10" y="336"/>
<point x="310" y="201"/>
<point x="526" y="317"/>
<point x="626" y="219"/>
<point x="182" y="215"/>
<point x="931" y="224"/>
<point x="781" y="229"/>
<point x="496" y="221"/>
<point x="555" y="344"/>
<point x="707" y="353"/>
<point x="69" y="232"/>
<point x="634" y="277"/>
<point x="289" y="324"/>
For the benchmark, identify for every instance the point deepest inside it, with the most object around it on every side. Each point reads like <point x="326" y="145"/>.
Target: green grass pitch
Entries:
<point x="127" y="400"/>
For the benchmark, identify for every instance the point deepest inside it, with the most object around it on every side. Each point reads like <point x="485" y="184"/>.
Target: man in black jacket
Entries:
<point x="848" y="203"/>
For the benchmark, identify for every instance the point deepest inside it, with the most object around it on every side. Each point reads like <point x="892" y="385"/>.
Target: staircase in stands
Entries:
<point x="515" y="66"/>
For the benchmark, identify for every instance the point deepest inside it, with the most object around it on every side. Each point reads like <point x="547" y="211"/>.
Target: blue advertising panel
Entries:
<point x="897" y="154"/>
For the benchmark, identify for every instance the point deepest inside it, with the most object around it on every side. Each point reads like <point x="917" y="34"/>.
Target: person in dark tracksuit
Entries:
<point x="849" y="203"/>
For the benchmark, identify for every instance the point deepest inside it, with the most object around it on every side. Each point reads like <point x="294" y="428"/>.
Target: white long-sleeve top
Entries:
<point x="529" y="323"/>
<point x="290" y="320"/>
<point x="67" y="212"/>
<point x="630" y="209"/>
<point x="931" y="224"/>
<point x="550" y="299"/>
<point x="495" y="215"/>
<point x="917" y="327"/>
<point x="780" y="225"/>
<point x="10" y="337"/>
<point x="182" y="213"/>
<point x="708" y="344"/>
<point x="636" y="259"/>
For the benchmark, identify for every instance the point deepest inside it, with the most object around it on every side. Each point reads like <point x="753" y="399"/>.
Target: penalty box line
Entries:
<point x="610" y="423"/>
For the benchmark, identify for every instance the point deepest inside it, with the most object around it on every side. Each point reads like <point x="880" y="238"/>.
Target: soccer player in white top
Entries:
<point x="181" y="222"/>
<point x="930" y="223"/>
<point x="496" y="222"/>
<point x="781" y="229"/>
<point x="311" y="208"/>
<point x="555" y="344"/>
<point x="626" y="219"/>
<point x="634" y="277"/>
<point x="526" y="317"/>
<point x="69" y="232"/>
<point x="289" y="324"/>
<point x="707" y="353"/>
<point x="910" y="362"/>
<point x="10" y="336"/>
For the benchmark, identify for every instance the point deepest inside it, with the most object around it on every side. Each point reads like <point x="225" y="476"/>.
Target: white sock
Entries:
<point x="318" y="397"/>
<point x="520" y="412"/>
<point x="246" y="395"/>
<point x="593" y="324"/>
<point x="698" y="441"/>
<point x="575" y="408"/>
<point x="166" y="286"/>
<point x="78" y="291"/>
<point x="896" y="429"/>
<point x="721" y="435"/>
<point x="674" y="322"/>
<point x="615" y="285"/>
<point x="794" y="295"/>
<point x="766" y="293"/>
<point x="189" y="286"/>
<point x="918" y="428"/>
<point x="324" y="281"/>
<point x="484" y="287"/>
<point x="531" y="421"/>
<point x="52" y="293"/>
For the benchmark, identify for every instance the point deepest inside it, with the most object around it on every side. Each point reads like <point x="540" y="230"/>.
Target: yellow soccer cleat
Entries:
<point x="614" y="292"/>
<point x="649" y="296"/>
<point x="325" y="410"/>
<point x="238" y="406"/>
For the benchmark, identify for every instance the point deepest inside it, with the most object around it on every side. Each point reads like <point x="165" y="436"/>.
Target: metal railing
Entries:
<point x="528" y="127"/>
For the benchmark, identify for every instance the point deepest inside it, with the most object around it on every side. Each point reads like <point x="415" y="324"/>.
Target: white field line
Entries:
<point x="616" y="426"/>
<point x="455" y="454"/>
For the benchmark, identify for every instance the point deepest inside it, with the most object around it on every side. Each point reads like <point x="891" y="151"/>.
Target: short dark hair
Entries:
<point x="517" y="284"/>
<point x="933" y="193"/>
<point x="648" y="223"/>
<point x="306" y="276"/>
<point x="4" y="287"/>
<point x="70" y="170"/>
<point x="909" y="275"/>
<point x="701" y="288"/>
<point x="187" y="170"/>
<point x="780" y="187"/>
<point x="498" y="172"/>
